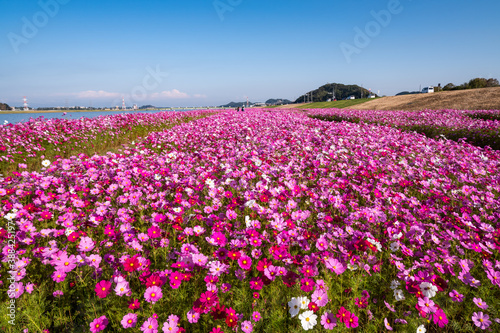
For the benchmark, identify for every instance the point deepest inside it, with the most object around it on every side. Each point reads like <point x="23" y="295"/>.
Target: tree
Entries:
<point x="449" y="86"/>
<point x="477" y="83"/>
<point x="492" y="83"/>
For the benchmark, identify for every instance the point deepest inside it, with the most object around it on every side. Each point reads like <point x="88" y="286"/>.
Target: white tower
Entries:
<point x="123" y="103"/>
<point x="25" y="103"/>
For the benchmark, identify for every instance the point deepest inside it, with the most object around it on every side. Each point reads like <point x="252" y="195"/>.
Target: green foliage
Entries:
<point x="344" y="104"/>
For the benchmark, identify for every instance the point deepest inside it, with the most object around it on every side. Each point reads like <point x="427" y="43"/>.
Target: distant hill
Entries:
<point x="4" y="106"/>
<point x="235" y="104"/>
<point x="323" y="93"/>
<point x="278" y="101"/>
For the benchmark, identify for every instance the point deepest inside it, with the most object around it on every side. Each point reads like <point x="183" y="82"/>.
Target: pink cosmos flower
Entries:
<point x="153" y="294"/>
<point x="86" y="244"/>
<point x="328" y="321"/>
<point x="247" y="326"/>
<point x="427" y="305"/>
<point x="122" y="288"/>
<point x="387" y="326"/>
<point x="256" y="316"/>
<point x="456" y="296"/>
<point x="17" y="290"/>
<point x="320" y="297"/>
<point x="150" y="326"/>
<point x="98" y="324"/>
<point x="335" y="266"/>
<point x="129" y="320"/>
<point x="480" y="303"/>
<point x="193" y="316"/>
<point x="231" y="214"/>
<point x="481" y="320"/>
<point x="170" y="327"/>
<point x="58" y="276"/>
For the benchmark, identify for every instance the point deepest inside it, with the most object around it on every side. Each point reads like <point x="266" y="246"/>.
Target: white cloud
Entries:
<point x="97" y="94"/>
<point x="199" y="96"/>
<point x="174" y="94"/>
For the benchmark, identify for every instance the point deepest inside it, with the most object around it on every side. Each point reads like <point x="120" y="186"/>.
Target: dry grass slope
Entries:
<point x="474" y="99"/>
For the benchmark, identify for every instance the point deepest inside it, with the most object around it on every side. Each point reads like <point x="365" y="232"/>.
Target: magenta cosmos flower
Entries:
<point x="153" y="294"/>
<point x="245" y="262"/>
<point x="440" y="318"/>
<point x="102" y="289"/>
<point x="129" y="320"/>
<point x="351" y="321"/>
<point x="98" y="324"/>
<point x="154" y="232"/>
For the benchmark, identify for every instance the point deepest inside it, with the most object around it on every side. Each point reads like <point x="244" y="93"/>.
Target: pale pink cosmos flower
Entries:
<point x="153" y="294"/>
<point x="129" y="320"/>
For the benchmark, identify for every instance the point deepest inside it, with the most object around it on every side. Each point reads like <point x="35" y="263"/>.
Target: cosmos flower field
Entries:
<point x="257" y="221"/>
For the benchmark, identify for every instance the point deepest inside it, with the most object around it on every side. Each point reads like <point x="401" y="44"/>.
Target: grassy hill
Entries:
<point x="472" y="99"/>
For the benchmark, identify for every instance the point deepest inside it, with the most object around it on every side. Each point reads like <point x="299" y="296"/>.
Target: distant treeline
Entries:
<point x="4" y="106"/>
<point x="473" y="84"/>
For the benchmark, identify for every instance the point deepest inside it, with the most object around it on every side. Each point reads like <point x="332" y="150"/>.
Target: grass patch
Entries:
<point x="336" y="104"/>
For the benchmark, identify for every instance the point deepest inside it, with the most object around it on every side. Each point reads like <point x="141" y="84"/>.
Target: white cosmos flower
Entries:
<point x="45" y="163"/>
<point x="394" y="284"/>
<point x="308" y="320"/>
<point x="294" y="306"/>
<point x="304" y="302"/>
<point x="398" y="295"/>
<point x="394" y="247"/>
<point x="421" y="329"/>
<point x="428" y="289"/>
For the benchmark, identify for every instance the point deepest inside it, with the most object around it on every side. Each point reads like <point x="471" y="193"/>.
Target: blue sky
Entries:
<point x="206" y="52"/>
